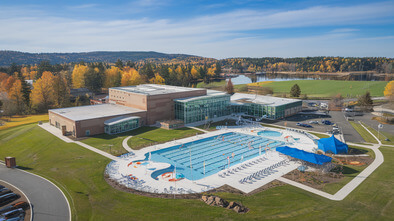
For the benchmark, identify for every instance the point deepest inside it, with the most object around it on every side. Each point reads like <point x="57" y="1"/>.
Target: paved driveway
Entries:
<point x="47" y="200"/>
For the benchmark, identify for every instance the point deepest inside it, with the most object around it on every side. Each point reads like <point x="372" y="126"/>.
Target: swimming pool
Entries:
<point x="207" y="156"/>
<point x="270" y="133"/>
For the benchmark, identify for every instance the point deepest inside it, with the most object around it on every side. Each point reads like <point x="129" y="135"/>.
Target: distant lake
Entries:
<point x="246" y="79"/>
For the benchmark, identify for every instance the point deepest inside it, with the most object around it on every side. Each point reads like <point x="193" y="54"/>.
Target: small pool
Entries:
<point x="270" y="133"/>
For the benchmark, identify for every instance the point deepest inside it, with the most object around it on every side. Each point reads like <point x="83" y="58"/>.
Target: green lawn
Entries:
<point x="382" y="135"/>
<point x="319" y="135"/>
<point x="329" y="88"/>
<point x="80" y="172"/>
<point x="213" y="126"/>
<point x="364" y="133"/>
<point x="142" y="137"/>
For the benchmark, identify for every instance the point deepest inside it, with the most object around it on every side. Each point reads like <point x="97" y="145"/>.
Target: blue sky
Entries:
<point x="218" y="29"/>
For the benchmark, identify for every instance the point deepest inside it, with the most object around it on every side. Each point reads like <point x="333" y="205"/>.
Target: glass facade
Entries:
<point x="271" y="112"/>
<point x="204" y="108"/>
<point x="122" y="125"/>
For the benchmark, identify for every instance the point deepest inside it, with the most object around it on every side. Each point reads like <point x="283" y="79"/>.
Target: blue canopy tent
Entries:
<point x="332" y="145"/>
<point x="303" y="155"/>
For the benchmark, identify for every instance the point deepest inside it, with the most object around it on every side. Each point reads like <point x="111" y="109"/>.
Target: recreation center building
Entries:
<point x="148" y="104"/>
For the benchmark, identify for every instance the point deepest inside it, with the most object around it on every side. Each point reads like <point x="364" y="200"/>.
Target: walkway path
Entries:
<point x="59" y="134"/>
<point x="125" y="145"/>
<point x="354" y="183"/>
<point x="196" y="128"/>
<point x="48" y="202"/>
<point x="370" y="133"/>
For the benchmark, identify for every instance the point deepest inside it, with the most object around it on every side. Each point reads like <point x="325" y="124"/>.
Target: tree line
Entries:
<point x="51" y="84"/>
<point x="310" y="64"/>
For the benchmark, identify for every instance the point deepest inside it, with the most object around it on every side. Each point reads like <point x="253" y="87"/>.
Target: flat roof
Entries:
<point x="240" y="98"/>
<point x="94" y="111"/>
<point x="210" y="93"/>
<point x="155" y="89"/>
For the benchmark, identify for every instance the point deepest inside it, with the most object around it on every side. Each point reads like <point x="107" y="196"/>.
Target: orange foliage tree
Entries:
<point x="78" y="75"/>
<point x="42" y="95"/>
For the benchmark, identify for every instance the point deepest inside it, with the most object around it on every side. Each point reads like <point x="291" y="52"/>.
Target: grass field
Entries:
<point x="21" y="120"/>
<point x="328" y="88"/>
<point x="314" y="88"/>
<point x="80" y="172"/>
<point x="142" y="137"/>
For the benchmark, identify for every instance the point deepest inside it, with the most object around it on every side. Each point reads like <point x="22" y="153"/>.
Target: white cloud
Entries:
<point x="221" y="35"/>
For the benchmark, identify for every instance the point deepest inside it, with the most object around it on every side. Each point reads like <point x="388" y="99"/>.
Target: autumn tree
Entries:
<point x="194" y="73"/>
<point x="229" y="87"/>
<point x="295" y="91"/>
<point x="389" y="91"/>
<point x="42" y="95"/>
<point x="78" y="75"/>
<point x="131" y="77"/>
<point x="113" y="77"/>
<point x="61" y="91"/>
<point x="16" y="96"/>
<point x="157" y="79"/>
<point x="7" y="84"/>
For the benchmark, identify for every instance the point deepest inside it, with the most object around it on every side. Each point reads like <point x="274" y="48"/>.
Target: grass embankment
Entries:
<point x="381" y="135"/>
<point x="319" y="135"/>
<point x="328" y="88"/>
<point x="15" y="121"/>
<point x="80" y="172"/>
<point x="364" y="133"/>
<point x="213" y="126"/>
<point x="142" y="137"/>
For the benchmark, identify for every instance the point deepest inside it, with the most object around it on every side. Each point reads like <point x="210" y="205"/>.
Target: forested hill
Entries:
<point x="23" y="58"/>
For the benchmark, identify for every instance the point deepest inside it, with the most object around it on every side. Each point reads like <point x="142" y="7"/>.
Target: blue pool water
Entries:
<point x="213" y="151"/>
<point x="270" y="133"/>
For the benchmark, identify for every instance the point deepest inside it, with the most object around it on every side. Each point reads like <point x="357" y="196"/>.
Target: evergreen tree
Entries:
<point x="26" y="90"/>
<point x="295" y="91"/>
<point x="119" y="64"/>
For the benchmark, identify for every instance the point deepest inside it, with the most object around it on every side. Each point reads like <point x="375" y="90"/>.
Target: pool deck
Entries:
<point x="246" y="176"/>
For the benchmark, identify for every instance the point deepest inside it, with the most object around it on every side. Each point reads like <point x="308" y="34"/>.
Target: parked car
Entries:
<point x="20" y="213"/>
<point x="326" y="122"/>
<point x="18" y="205"/>
<point x="8" y="198"/>
<point x="5" y="191"/>
<point x="314" y="122"/>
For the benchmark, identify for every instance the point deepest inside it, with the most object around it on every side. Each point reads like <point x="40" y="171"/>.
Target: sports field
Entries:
<point x="79" y="172"/>
<point x="328" y="88"/>
<point x="315" y="88"/>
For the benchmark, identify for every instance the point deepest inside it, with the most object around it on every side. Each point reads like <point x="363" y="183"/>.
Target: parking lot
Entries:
<point x="14" y="204"/>
<point x="337" y="117"/>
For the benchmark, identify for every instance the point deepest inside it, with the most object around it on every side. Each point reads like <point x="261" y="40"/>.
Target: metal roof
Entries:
<point x="94" y="111"/>
<point x="210" y="94"/>
<point x="121" y="119"/>
<point x="240" y="98"/>
<point x="155" y="89"/>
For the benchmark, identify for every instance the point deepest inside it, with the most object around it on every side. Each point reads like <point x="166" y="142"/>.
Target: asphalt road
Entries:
<point x="47" y="200"/>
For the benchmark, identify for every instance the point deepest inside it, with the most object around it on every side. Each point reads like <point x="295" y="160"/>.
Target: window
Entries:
<point x="87" y="132"/>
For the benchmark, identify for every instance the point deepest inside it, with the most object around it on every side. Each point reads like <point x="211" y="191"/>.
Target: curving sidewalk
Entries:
<point x="47" y="200"/>
<point x="125" y="145"/>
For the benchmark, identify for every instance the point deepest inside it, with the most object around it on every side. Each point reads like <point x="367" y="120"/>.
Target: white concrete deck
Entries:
<point x="122" y="168"/>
